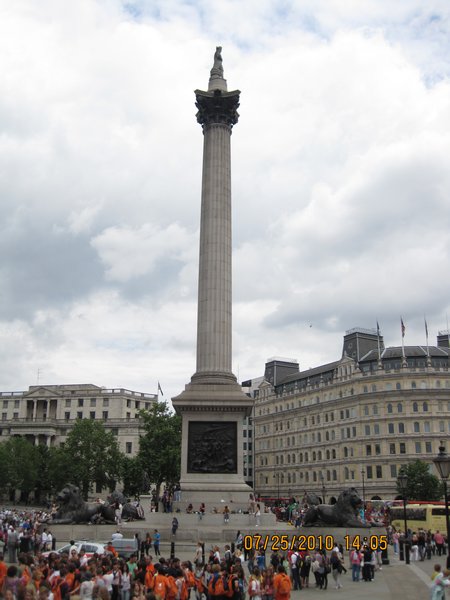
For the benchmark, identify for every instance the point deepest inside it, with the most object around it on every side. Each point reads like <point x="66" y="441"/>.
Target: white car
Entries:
<point x="90" y="548"/>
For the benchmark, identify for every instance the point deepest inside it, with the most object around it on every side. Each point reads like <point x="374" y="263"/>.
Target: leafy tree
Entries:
<point x="19" y="463"/>
<point x="421" y="484"/>
<point x="135" y="479"/>
<point x="91" y="455"/>
<point x="160" y="445"/>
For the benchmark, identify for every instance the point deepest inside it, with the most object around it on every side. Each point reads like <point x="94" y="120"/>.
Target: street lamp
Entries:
<point x="402" y="480"/>
<point x="442" y="464"/>
<point x="364" y="494"/>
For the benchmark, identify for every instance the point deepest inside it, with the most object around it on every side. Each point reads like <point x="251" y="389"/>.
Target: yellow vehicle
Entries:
<point x="419" y="516"/>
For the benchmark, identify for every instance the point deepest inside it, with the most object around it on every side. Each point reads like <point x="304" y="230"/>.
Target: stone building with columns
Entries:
<point x="44" y="414"/>
<point x="352" y="422"/>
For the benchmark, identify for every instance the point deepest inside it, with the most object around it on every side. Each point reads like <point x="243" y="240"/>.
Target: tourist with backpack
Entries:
<point x="282" y="585"/>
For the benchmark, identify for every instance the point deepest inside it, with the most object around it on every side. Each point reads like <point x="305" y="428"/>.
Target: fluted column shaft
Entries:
<point x="214" y="289"/>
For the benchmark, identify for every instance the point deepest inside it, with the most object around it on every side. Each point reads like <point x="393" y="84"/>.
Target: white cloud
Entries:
<point x="340" y="181"/>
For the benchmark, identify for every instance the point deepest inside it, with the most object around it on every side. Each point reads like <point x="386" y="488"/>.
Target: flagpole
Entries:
<point x="426" y="335"/>
<point x="378" y="342"/>
<point x="403" y="340"/>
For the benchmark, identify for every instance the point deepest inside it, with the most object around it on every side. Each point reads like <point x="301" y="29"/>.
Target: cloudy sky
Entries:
<point x="340" y="166"/>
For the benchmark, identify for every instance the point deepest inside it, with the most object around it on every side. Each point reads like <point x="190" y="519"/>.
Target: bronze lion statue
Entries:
<point x="345" y="513"/>
<point x="72" y="508"/>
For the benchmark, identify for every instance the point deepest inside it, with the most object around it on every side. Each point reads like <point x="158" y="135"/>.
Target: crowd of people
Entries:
<point x="55" y="576"/>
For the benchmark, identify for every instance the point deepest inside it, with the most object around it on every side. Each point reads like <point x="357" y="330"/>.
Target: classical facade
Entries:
<point x="352" y="422"/>
<point x="45" y="414"/>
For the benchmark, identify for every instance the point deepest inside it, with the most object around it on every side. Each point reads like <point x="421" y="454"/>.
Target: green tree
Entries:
<point x="160" y="445"/>
<point x="421" y="484"/>
<point x="135" y="479"/>
<point x="91" y="455"/>
<point x="19" y="464"/>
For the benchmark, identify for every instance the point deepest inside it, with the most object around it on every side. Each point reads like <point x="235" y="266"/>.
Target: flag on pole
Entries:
<point x="403" y="327"/>
<point x="160" y="389"/>
<point x="378" y="330"/>
<point x="426" y="328"/>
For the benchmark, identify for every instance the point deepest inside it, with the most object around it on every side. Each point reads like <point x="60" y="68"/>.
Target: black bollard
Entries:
<point x="401" y="544"/>
<point x="384" y="557"/>
<point x="172" y="549"/>
<point x="407" y="551"/>
<point x="203" y="553"/>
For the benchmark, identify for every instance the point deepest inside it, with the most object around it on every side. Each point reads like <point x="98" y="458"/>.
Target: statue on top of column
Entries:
<point x="217" y="70"/>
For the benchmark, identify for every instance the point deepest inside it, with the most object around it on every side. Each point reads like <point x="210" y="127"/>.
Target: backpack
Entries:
<point x="215" y="585"/>
<point x="285" y="585"/>
<point x="172" y="588"/>
<point x="159" y="586"/>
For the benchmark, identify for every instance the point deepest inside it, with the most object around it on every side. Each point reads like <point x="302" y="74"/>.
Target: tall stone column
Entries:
<point x="213" y="405"/>
<point x="217" y="113"/>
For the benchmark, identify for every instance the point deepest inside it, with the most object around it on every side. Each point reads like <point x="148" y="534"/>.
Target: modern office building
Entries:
<point x="352" y="422"/>
<point x="45" y="413"/>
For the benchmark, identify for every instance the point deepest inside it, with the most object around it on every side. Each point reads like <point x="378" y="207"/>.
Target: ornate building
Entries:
<point x="45" y="414"/>
<point x="352" y="422"/>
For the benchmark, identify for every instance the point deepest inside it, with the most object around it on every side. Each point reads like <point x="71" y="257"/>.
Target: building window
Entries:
<point x="3" y="416"/>
<point x="129" y="447"/>
<point x="416" y="427"/>
<point x="428" y="448"/>
<point x="105" y="415"/>
<point x="398" y="386"/>
<point x="80" y="402"/>
<point x="390" y="427"/>
<point x="415" y="407"/>
<point x="128" y="416"/>
<point x="92" y="414"/>
<point x="79" y="415"/>
<point x="377" y="449"/>
<point x="128" y="403"/>
<point x="402" y="448"/>
<point x="105" y="401"/>
<point x="5" y="403"/>
<point x="393" y="471"/>
<point x="16" y="416"/>
<point x="375" y="409"/>
<point x="389" y="408"/>
<point x="366" y="410"/>
<point x="376" y="429"/>
<point x="425" y="407"/>
<point x="426" y="427"/>
<point x="93" y="402"/>
<point x="391" y="448"/>
<point x="68" y="401"/>
<point x="16" y="403"/>
<point x="399" y="407"/>
<point x="369" y="472"/>
<point x="418" y="447"/>
<point x="374" y="387"/>
<point x="379" y="471"/>
<point x="441" y="427"/>
<point x="367" y="429"/>
<point x="245" y="445"/>
<point x="67" y="416"/>
<point x="401" y="428"/>
<point x="368" y="450"/>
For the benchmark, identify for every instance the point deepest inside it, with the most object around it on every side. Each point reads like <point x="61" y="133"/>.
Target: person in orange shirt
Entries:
<point x="3" y="569"/>
<point x="282" y="584"/>
<point x="149" y="573"/>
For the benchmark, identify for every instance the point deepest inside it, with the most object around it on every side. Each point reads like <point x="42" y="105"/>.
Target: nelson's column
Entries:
<point x="213" y="404"/>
